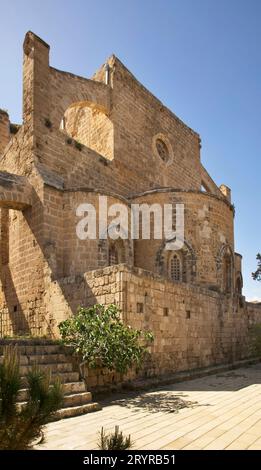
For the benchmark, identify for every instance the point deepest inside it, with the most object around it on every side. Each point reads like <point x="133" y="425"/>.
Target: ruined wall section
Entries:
<point x="208" y="184"/>
<point x="136" y="117"/>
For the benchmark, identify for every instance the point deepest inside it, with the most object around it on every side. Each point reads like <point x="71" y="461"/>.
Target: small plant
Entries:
<point x="78" y="145"/>
<point x="48" y="123"/>
<point x="21" y="427"/>
<point x="103" y="340"/>
<point x="257" y="274"/>
<point x="114" y="441"/>
<point x="104" y="161"/>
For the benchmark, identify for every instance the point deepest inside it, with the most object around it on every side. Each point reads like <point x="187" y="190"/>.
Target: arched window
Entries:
<point x="239" y="286"/>
<point x="227" y="273"/>
<point x="111" y="252"/>
<point x="89" y="126"/>
<point x="238" y="289"/>
<point x="175" y="268"/>
<point x="177" y="265"/>
<point x="225" y="269"/>
<point x="113" y="255"/>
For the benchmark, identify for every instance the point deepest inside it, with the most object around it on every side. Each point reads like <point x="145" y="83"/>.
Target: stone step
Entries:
<point x="77" y="410"/>
<point x="77" y="399"/>
<point x="40" y="359"/>
<point x="69" y="401"/>
<point x="73" y="387"/>
<point x="53" y="357"/>
<point x="36" y="349"/>
<point x="28" y="341"/>
<point x="69" y="388"/>
<point x="65" y="377"/>
<point x="53" y="367"/>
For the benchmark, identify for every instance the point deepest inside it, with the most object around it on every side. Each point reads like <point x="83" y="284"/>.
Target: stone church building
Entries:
<point x="109" y="136"/>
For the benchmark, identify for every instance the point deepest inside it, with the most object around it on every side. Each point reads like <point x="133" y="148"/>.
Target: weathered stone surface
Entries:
<point x="84" y="138"/>
<point x="15" y="191"/>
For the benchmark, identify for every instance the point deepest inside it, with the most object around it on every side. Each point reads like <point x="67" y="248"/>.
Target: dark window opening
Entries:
<point x="175" y="268"/>
<point x="139" y="307"/>
<point x="165" y="312"/>
<point x="113" y="256"/>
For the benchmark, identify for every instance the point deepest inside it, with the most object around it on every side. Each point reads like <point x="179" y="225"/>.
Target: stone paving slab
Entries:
<point x="221" y="411"/>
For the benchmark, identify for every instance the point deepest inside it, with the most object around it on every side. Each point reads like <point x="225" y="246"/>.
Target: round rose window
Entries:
<point x="162" y="150"/>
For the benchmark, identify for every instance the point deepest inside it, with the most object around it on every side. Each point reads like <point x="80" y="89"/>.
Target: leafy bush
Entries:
<point x="21" y="427"/>
<point x="78" y="145"/>
<point x="101" y="338"/>
<point x="257" y="274"/>
<point x="114" y="441"/>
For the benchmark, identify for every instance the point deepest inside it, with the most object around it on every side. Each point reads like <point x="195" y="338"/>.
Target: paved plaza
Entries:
<point x="221" y="411"/>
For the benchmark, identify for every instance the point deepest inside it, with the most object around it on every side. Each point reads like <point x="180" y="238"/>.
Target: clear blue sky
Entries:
<point x="200" y="57"/>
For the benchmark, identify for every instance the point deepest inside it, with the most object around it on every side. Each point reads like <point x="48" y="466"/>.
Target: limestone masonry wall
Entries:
<point x="193" y="326"/>
<point x="82" y="139"/>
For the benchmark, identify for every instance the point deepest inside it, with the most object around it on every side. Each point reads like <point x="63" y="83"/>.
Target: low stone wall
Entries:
<point x="193" y="327"/>
<point x="100" y="380"/>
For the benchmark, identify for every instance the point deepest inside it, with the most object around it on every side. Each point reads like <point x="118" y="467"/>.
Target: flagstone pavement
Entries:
<point x="221" y="411"/>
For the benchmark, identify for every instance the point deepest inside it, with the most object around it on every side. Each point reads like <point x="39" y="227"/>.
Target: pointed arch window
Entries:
<point x="175" y="268"/>
<point x="239" y="286"/>
<point x="227" y="273"/>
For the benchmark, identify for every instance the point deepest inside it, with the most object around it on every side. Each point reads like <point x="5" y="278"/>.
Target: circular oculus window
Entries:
<point x="162" y="148"/>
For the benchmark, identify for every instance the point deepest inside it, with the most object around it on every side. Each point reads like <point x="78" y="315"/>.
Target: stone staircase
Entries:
<point x="52" y="356"/>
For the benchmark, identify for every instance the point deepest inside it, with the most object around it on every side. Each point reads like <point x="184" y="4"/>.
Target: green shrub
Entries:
<point x="103" y="340"/>
<point x="257" y="274"/>
<point x="114" y="441"/>
<point x="21" y="427"/>
<point x="10" y="383"/>
<point x="78" y="145"/>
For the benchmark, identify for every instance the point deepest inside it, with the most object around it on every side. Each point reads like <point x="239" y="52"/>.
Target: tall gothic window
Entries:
<point x="239" y="286"/>
<point x="175" y="268"/>
<point x="227" y="273"/>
